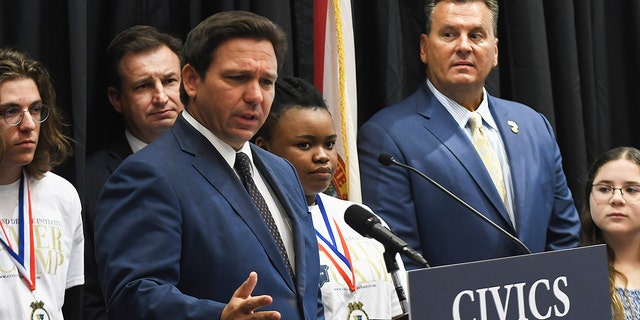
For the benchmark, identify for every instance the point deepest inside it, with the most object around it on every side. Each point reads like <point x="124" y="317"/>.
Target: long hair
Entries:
<point x="53" y="146"/>
<point x="591" y="234"/>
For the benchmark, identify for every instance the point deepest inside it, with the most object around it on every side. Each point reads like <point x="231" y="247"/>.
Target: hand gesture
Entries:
<point x="242" y="305"/>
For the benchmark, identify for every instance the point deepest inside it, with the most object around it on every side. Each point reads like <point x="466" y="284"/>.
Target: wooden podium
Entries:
<point x="563" y="284"/>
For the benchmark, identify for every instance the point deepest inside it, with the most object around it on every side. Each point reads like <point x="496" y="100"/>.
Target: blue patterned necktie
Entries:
<point x="243" y="167"/>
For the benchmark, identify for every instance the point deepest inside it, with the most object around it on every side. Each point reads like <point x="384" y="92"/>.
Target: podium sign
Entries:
<point x="563" y="284"/>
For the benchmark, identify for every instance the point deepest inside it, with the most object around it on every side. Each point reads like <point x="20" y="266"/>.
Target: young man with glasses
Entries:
<point x="42" y="244"/>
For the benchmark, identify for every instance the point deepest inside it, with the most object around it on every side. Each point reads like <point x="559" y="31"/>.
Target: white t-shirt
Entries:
<point x="374" y="285"/>
<point x="58" y="244"/>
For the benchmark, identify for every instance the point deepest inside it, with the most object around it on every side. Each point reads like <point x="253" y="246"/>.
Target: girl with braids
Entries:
<point x="353" y="278"/>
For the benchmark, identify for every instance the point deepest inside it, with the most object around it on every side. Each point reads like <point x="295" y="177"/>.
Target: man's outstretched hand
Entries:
<point x="243" y="306"/>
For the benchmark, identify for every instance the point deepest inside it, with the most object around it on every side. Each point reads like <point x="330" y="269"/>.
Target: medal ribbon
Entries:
<point x="338" y="253"/>
<point x="24" y="257"/>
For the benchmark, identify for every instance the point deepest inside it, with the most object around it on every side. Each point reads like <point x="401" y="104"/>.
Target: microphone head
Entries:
<point x="386" y="159"/>
<point x="360" y="219"/>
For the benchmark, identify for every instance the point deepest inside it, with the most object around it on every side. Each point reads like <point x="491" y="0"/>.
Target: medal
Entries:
<point x="39" y="313"/>
<point x="356" y="312"/>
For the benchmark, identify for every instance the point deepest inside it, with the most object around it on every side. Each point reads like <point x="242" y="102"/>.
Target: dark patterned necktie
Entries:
<point x="243" y="167"/>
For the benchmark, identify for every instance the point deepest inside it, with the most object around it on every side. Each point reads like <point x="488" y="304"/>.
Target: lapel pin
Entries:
<point x="513" y="125"/>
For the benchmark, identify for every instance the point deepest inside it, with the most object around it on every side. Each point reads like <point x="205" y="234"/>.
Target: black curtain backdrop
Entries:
<point x="570" y="60"/>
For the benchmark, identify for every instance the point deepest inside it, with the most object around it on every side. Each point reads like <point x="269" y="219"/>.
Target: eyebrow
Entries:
<point x="625" y="183"/>
<point x="15" y="104"/>
<point x="171" y="74"/>
<point x="242" y="71"/>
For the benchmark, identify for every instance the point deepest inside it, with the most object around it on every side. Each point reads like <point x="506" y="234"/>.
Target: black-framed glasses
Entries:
<point x="603" y="192"/>
<point x="13" y="115"/>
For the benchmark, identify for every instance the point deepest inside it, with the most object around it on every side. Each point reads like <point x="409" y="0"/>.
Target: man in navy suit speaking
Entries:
<point x="499" y="156"/>
<point x="180" y="233"/>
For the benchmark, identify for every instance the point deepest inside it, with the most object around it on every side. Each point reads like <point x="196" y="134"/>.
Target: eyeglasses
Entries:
<point x="603" y="192"/>
<point x="14" y="115"/>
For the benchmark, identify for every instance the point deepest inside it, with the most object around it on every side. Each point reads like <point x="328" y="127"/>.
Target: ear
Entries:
<point x="423" y="47"/>
<point x="495" y="62"/>
<point x="190" y="80"/>
<point x="262" y="143"/>
<point x="114" y="97"/>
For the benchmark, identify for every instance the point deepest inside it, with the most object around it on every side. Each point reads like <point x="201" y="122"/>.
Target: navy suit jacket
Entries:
<point x="420" y="132"/>
<point x="100" y="165"/>
<point x="177" y="234"/>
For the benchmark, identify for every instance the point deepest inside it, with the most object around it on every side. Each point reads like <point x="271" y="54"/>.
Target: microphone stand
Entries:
<point x="387" y="159"/>
<point x="392" y="268"/>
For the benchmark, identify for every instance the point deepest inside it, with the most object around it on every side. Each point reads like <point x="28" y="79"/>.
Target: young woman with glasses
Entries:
<point x="611" y="215"/>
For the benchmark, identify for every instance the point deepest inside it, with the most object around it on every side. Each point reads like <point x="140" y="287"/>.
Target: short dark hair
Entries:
<point x="431" y="4"/>
<point x="205" y="38"/>
<point x="291" y="92"/>
<point x="136" y="39"/>
<point x="53" y="146"/>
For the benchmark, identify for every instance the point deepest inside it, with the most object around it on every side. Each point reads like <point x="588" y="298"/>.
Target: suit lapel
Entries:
<point x="284" y="196"/>
<point x="211" y="165"/>
<point x="441" y="124"/>
<point x="515" y="149"/>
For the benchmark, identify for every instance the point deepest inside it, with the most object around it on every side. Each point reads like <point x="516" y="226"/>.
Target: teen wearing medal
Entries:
<point x="42" y="244"/>
<point x="354" y="279"/>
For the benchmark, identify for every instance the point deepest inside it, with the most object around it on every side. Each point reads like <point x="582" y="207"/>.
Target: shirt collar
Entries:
<point x="227" y="152"/>
<point x="135" y="143"/>
<point x="461" y="114"/>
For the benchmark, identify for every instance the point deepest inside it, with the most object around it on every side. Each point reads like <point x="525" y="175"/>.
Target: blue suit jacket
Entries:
<point x="100" y="166"/>
<point x="420" y="132"/>
<point x="177" y="233"/>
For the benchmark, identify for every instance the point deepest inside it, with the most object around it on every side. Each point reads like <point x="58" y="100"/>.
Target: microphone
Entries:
<point x="368" y="225"/>
<point x="387" y="160"/>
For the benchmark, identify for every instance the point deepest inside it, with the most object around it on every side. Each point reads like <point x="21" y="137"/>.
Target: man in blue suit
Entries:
<point x="430" y="130"/>
<point x="177" y="234"/>
<point x="143" y="76"/>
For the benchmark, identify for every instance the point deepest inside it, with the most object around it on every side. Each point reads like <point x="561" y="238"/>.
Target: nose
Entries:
<point x="322" y="155"/>
<point x="616" y="197"/>
<point x="464" y="44"/>
<point x="253" y="93"/>
<point x="159" y="95"/>
<point x="27" y="122"/>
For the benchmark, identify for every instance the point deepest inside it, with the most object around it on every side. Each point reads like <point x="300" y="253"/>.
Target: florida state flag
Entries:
<point x="335" y="76"/>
